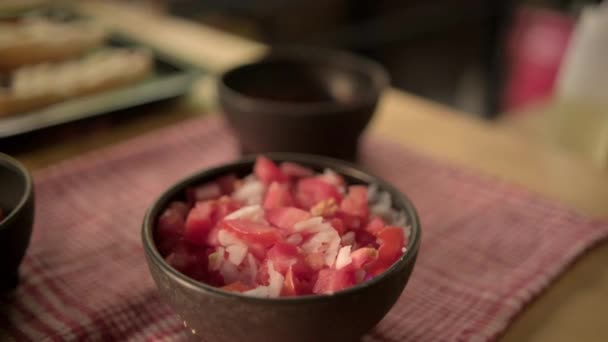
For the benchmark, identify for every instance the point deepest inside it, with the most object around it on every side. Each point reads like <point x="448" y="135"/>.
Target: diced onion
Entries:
<point x="343" y="259"/>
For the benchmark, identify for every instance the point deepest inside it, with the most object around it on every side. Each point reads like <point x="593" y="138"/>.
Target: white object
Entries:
<point x="582" y="88"/>
<point x="584" y="70"/>
<point x="343" y="258"/>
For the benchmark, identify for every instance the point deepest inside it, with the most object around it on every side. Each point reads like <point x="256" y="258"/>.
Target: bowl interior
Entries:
<point x="15" y="184"/>
<point x="303" y="76"/>
<point x="352" y="175"/>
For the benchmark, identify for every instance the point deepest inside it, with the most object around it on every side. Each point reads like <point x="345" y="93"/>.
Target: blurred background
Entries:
<point x="502" y="61"/>
<point x="483" y="57"/>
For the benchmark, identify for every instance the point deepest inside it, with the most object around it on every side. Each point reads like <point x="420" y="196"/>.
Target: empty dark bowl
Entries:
<point x="215" y="315"/>
<point x="305" y="100"/>
<point x="17" y="203"/>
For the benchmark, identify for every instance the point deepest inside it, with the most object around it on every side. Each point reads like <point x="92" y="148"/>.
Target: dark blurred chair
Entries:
<point x="426" y="44"/>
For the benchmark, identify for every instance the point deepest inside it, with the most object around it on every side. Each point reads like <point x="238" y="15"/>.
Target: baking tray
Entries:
<point x="169" y="78"/>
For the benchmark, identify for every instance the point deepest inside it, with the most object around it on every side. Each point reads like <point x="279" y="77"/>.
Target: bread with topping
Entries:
<point x="36" y="86"/>
<point x="37" y="40"/>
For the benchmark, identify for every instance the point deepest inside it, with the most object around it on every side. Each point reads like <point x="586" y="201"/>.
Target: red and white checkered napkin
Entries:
<point x="488" y="248"/>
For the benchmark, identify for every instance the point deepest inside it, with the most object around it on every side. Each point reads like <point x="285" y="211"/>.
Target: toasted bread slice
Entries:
<point x="16" y="6"/>
<point x="39" y="40"/>
<point x="41" y="85"/>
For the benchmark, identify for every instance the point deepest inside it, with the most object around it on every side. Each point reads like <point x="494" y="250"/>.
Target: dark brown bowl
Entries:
<point x="17" y="203"/>
<point x="305" y="100"/>
<point x="215" y="315"/>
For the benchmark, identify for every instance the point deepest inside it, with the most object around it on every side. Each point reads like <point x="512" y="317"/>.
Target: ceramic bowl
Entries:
<point x="304" y="100"/>
<point x="215" y="315"/>
<point x="17" y="204"/>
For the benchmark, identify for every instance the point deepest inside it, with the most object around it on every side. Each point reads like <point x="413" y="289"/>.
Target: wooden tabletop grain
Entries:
<point x="574" y="308"/>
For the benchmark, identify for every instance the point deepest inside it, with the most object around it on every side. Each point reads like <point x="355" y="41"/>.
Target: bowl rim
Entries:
<point x="378" y="75"/>
<point x="16" y="166"/>
<point x="324" y="162"/>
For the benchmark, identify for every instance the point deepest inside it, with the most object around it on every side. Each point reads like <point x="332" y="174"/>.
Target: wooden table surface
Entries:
<point x="574" y="308"/>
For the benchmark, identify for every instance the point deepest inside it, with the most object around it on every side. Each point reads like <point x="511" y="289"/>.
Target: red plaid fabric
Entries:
<point x="488" y="248"/>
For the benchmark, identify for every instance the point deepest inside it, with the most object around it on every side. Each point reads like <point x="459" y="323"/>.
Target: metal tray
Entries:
<point x="169" y="78"/>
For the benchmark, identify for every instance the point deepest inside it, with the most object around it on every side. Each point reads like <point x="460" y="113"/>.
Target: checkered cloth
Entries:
<point x="488" y="248"/>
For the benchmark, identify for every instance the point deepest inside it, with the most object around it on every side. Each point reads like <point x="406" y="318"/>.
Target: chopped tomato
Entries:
<point x="256" y="249"/>
<point x="180" y="207"/>
<point x="331" y="280"/>
<point x="297" y="284"/>
<point x="189" y="260"/>
<point x="374" y="226"/>
<point x="315" y="261"/>
<point x="391" y="241"/>
<point x="338" y="225"/>
<point x="253" y="232"/>
<point x="283" y="255"/>
<point x="170" y="228"/>
<point x="283" y="231"/>
<point x="293" y="170"/>
<point x="277" y="196"/>
<point x="377" y="268"/>
<point x="310" y="191"/>
<point x="166" y="244"/>
<point x="349" y="221"/>
<point x="267" y="171"/>
<point x="199" y="222"/>
<point x="364" y="238"/>
<point x="355" y="202"/>
<point x="171" y="222"/>
<point x="179" y="258"/>
<point x="304" y="285"/>
<point x="286" y="217"/>
<point x="224" y="206"/>
<point x="363" y="256"/>
<point x="263" y="277"/>
<point x="391" y="244"/>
